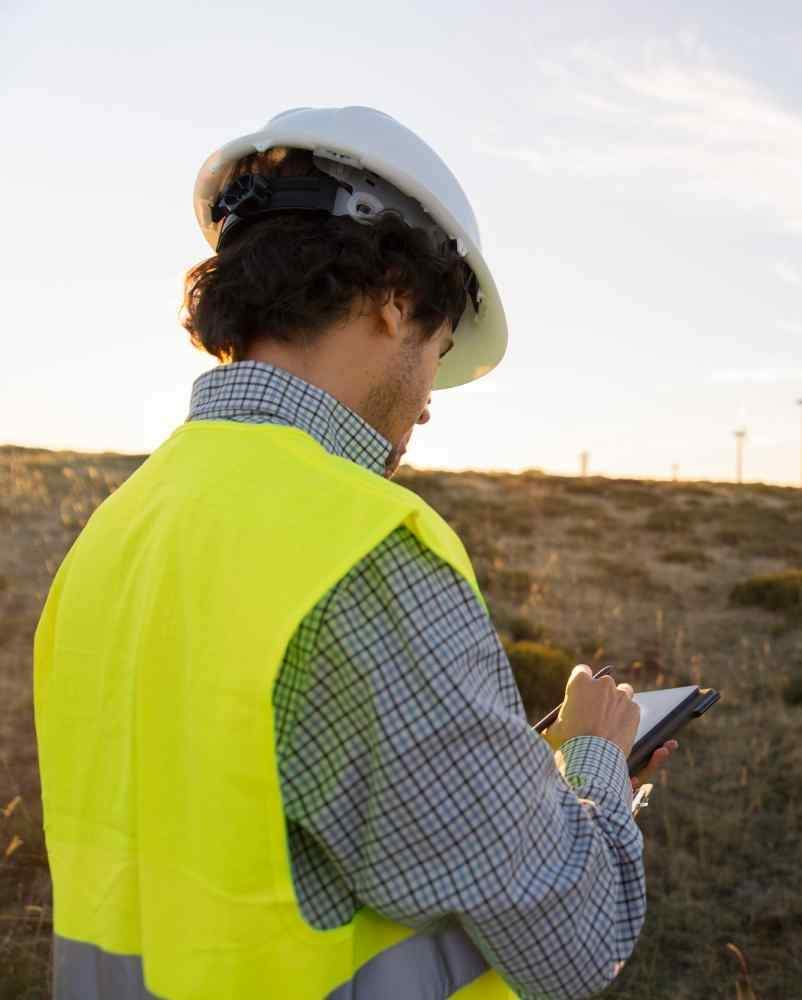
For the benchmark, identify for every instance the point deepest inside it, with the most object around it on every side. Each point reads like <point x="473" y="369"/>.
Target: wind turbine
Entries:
<point x="799" y="402"/>
<point x="740" y="434"/>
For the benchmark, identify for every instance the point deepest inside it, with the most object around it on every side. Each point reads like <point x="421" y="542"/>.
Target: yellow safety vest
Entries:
<point x="155" y="658"/>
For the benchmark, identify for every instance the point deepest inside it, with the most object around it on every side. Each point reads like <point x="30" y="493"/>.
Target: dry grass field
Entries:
<point x="674" y="583"/>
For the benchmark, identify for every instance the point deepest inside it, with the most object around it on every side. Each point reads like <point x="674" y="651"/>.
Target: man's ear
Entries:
<point x="393" y="312"/>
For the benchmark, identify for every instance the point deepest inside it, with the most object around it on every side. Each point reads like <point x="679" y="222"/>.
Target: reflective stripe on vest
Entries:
<point x="422" y="967"/>
<point x="154" y="664"/>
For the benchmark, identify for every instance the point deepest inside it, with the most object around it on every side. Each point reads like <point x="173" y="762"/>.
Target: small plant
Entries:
<point x="513" y="584"/>
<point x="743" y="985"/>
<point x="520" y="629"/>
<point x="619" y="571"/>
<point x="627" y="497"/>
<point x="774" y="591"/>
<point x="697" y="558"/>
<point x="561" y="505"/>
<point x="792" y="692"/>
<point x="582" y="531"/>
<point x="669" y="520"/>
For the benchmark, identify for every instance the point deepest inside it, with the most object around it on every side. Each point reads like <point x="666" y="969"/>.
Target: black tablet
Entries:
<point x="662" y="714"/>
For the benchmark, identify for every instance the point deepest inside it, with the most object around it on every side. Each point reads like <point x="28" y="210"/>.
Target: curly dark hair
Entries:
<point x="295" y="274"/>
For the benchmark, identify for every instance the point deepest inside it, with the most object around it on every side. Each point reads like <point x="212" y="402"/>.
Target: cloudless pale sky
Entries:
<point x="635" y="170"/>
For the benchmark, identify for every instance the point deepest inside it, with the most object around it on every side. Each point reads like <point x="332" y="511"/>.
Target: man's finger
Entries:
<point x="656" y="761"/>
<point x="580" y="668"/>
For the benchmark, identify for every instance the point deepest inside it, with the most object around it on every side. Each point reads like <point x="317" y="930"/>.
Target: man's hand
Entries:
<point x="555" y="735"/>
<point x="658" y="759"/>
<point x="596" y="706"/>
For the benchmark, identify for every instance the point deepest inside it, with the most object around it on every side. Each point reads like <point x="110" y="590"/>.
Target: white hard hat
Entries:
<point x="365" y="147"/>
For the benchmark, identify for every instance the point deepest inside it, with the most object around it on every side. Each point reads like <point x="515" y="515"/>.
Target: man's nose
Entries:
<point x="425" y="416"/>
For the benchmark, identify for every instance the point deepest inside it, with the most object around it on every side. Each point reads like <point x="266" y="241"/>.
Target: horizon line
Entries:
<point x="490" y="470"/>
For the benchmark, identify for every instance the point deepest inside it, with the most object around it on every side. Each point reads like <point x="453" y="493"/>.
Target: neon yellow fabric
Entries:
<point x="155" y="658"/>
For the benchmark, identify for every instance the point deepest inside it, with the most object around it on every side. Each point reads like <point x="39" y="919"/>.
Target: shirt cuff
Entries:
<point x="597" y="763"/>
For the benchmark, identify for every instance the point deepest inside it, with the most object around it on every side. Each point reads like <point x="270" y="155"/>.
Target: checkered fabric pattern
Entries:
<point x="412" y="782"/>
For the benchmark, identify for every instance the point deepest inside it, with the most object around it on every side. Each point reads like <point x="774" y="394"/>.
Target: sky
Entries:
<point x="634" y="168"/>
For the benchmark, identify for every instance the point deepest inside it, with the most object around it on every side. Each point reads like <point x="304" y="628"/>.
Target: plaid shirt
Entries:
<point x="411" y="780"/>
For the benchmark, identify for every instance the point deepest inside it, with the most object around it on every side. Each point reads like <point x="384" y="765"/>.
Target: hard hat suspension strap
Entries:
<point x="252" y="196"/>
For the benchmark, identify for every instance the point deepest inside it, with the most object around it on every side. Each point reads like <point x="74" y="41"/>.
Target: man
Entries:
<point x="282" y="751"/>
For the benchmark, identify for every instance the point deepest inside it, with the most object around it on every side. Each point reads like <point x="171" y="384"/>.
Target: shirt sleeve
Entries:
<point x="434" y="798"/>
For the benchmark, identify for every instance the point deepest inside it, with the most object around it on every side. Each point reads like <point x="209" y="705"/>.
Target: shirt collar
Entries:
<point x="258" y="392"/>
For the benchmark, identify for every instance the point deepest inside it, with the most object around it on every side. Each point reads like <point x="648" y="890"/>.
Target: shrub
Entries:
<point x="512" y="516"/>
<point x="792" y="692"/>
<point x="687" y="557"/>
<point x="512" y="584"/>
<point x="561" y="505"/>
<point x="758" y="529"/>
<point x="669" y="520"/>
<point x="626" y="497"/>
<point x="620" y="569"/>
<point x="597" y="485"/>
<point x="774" y="591"/>
<point x="541" y="672"/>
<point x="520" y="628"/>
<point x="775" y="549"/>
<point x="694" y="490"/>
<point x="582" y="531"/>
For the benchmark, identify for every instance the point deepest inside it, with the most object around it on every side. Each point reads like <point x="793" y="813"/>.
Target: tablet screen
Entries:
<point x="656" y="705"/>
